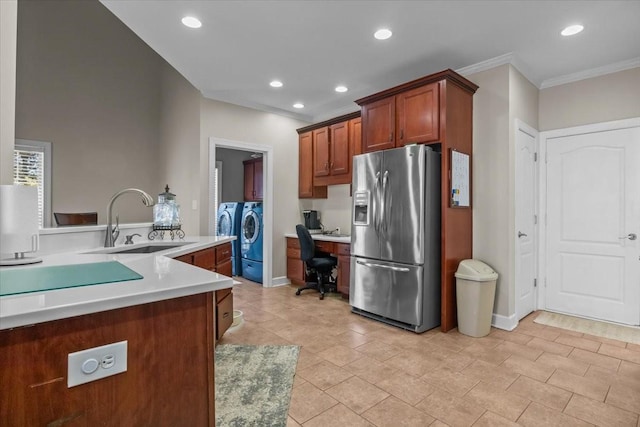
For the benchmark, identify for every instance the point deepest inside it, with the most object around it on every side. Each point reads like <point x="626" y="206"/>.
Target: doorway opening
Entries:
<point x="253" y="151"/>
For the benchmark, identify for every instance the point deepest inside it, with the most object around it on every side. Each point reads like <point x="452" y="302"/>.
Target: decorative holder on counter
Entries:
<point x="159" y="230"/>
<point x="166" y="216"/>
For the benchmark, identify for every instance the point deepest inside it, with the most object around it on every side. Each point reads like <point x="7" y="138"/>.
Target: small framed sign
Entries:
<point x="460" y="193"/>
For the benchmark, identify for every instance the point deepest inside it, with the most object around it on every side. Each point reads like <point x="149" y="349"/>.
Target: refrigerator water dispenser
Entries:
<point x="361" y="201"/>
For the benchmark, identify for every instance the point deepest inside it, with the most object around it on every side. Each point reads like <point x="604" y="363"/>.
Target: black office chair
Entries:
<point x="318" y="266"/>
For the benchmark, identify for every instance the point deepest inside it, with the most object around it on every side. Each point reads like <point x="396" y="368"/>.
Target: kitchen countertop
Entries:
<point x="324" y="237"/>
<point x="163" y="278"/>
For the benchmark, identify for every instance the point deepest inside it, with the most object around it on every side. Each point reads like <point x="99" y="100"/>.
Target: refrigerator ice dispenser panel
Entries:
<point x="361" y="201"/>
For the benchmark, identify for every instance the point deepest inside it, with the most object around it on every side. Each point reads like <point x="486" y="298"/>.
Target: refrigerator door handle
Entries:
<point x="388" y="267"/>
<point x="383" y="210"/>
<point x="374" y="202"/>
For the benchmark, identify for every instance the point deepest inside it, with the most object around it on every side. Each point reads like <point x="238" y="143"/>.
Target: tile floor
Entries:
<point x="353" y="371"/>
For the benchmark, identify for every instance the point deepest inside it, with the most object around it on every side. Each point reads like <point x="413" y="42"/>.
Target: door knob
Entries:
<point x="521" y="234"/>
<point x="630" y="236"/>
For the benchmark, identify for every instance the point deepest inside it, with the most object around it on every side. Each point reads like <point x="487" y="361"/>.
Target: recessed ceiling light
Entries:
<point x="191" y="22"/>
<point x="382" y="34"/>
<point x="298" y="105"/>
<point x="276" y="83"/>
<point x="341" y="89"/>
<point x="572" y="29"/>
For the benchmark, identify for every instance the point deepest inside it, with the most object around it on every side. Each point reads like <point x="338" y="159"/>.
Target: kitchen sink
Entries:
<point x="144" y="249"/>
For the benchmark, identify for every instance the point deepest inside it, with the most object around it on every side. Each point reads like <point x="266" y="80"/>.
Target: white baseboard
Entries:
<point x="280" y="281"/>
<point x="508" y="323"/>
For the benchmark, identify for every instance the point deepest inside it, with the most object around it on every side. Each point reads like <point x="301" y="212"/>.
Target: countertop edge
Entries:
<point x="324" y="238"/>
<point x="162" y="280"/>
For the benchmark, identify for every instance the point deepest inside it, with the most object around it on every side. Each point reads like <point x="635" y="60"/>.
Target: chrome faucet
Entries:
<point x="114" y="232"/>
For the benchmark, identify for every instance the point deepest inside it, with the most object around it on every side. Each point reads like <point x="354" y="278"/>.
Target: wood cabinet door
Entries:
<point x="225" y="268"/>
<point x="205" y="258"/>
<point x="188" y="258"/>
<point x="340" y="153"/>
<point x="257" y="180"/>
<point x="305" y="165"/>
<point x="378" y="124"/>
<point x="355" y="136"/>
<point x="418" y="115"/>
<point x="248" y="181"/>
<point x="224" y="315"/>
<point x="344" y="272"/>
<point x="295" y="271"/>
<point x="321" y="152"/>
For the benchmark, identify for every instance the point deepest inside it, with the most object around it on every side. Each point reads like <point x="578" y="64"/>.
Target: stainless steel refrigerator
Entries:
<point x="395" y="237"/>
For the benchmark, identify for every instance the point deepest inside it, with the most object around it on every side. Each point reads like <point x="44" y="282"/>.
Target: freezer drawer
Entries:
<point x="391" y="290"/>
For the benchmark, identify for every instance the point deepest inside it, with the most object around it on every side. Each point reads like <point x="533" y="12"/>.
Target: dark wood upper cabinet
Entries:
<point x="355" y="136"/>
<point x="326" y="150"/>
<point x="407" y="118"/>
<point x="418" y="112"/>
<point x="378" y="125"/>
<point x="321" y="152"/>
<point x="253" y="180"/>
<point x="339" y="143"/>
<point x="306" y="189"/>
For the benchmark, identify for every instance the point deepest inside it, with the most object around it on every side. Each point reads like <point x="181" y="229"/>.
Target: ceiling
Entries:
<point x="314" y="46"/>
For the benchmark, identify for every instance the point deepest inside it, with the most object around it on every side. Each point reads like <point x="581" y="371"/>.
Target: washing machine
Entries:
<point x="229" y="224"/>
<point x="251" y="237"/>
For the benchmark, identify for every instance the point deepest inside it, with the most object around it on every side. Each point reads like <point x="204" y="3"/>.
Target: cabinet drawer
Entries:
<point x="343" y="249"/>
<point x="223" y="252"/>
<point x="293" y="243"/>
<point x="293" y="253"/>
<point x="221" y="294"/>
<point x="324" y="246"/>
<point x="224" y="315"/>
<point x="205" y="259"/>
<point x="225" y="268"/>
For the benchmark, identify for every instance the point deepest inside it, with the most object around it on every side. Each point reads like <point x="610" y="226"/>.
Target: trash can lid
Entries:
<point x="477" y="271"/>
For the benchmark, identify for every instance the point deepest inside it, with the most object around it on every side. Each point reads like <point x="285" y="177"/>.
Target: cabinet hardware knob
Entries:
<point x="401" y="133"/>
<point x="391" y="137"/>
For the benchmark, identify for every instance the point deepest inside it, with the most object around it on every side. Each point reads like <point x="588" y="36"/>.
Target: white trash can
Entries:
<point x="475" y="293"/>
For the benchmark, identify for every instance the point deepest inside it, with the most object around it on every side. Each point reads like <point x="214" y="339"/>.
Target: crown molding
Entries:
<point x="507" y="58"/>
<point x="593" y="72"/>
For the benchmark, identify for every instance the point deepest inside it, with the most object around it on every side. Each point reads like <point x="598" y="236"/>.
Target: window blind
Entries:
<point x="31" y="163"/>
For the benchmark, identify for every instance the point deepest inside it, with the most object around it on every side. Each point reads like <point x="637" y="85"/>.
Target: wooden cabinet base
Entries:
<point x="169" y="377"/>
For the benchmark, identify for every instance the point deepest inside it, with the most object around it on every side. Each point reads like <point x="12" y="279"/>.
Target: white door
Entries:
<point x="593" y="208"/>
<point x="525" y="222"/>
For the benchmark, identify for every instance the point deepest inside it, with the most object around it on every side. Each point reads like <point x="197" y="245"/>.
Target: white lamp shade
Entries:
<point x="19" y="222"/>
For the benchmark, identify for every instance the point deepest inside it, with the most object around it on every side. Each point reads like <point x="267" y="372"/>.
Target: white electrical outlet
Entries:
<point x="95" y="363"/>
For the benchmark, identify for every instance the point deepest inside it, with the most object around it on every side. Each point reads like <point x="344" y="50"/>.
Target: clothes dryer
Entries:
<point x="230" y="224"/>
<point x="251" y="239"/>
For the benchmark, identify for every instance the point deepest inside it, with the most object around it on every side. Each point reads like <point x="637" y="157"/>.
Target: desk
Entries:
<point x="340" y="247"/>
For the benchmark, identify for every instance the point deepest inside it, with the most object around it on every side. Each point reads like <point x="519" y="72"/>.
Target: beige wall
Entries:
<point x="231" y="122"/>
<point x="523" y="105"/>
<point x="610" y="97"/>
<point x="179" y="147"/>
<point x="335" y="210"/>
<point x="232" y="173"/>
<point x="490" y="174"/>
<point x="92" y="88"/>
<point x="8" y="26"/>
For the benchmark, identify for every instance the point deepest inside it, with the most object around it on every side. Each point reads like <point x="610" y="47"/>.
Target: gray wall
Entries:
<point x="91" y="87"/>
<point x="232" y="173"/>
